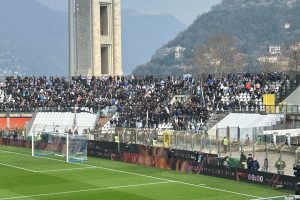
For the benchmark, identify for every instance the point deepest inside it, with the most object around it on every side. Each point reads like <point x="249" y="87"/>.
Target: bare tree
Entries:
<point x="295" y="55"/>
<point x="218" y="55"/>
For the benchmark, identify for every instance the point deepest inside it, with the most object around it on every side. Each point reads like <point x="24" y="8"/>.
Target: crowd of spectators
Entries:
<point x="144" y="102"/>
<point x="244" y="90"/>
<point x="12" y="133"/>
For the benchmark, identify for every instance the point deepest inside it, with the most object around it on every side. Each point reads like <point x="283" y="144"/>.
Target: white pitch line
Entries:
<point x="265" y="198"/>
<point x="216" y="189"/>
<point x="12" y="166"/>
<point x="184" y="183"/>
<point x="71" y="169"/>
<point x="142" y="175"/>
<point x="87" y="190"/>
<point x="46" y="158"/>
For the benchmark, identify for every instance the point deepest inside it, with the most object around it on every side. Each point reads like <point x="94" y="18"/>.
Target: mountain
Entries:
<point x="33" y="38"/>
<point x="60" y="5"/>
<point x="254" y="25"/>
<point x="142" y="34"/>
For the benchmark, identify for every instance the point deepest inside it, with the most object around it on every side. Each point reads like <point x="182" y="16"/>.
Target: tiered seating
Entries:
<point x="249" y="100"/>
<point x="1" y="96"/>
<point x="136" y="100"/>
<point x="63" y="122"/>
<point x="165" y="126"/>
<point x="246" y="122"/>
<point x="294" y="98"/>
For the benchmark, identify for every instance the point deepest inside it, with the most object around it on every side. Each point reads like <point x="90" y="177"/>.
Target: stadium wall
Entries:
<point x="14" y="122"/>
<point x="180" y="161"/>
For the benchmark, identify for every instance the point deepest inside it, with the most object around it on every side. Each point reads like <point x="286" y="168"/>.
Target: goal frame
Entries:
<point x="63" y="135"/>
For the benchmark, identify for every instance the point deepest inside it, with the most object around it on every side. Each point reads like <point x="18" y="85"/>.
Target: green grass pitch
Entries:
<point x="36" y="178"/>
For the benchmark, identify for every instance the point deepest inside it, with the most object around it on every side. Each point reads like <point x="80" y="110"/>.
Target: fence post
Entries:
<point x="253" y="142"/>
<point x="228" y="134"/>
<point x="218" y="143"/>
<point x="184" y="141"/>
<point x="176" y="140"/>
<point x="136" y="132"/>
<point x="192" y="142"/>
<point x="209" y="145"/>
<point x="239" y="134"/>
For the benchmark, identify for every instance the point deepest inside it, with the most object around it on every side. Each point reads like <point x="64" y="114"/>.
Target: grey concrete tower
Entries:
<point x="95" y="37"/>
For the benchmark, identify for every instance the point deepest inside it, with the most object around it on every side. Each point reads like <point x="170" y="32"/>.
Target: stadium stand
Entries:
<point x="294" y="98"/>
<point x="246" y="121"/>
<point x="64" y="122"/>
<point x="148" y="106"/>
<point x="147" y="102"/>
<point x="249" y="120"/>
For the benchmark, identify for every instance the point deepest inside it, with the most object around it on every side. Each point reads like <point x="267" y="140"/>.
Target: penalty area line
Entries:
<point x="265" y="198"/>
<point x="71" y="169"/>
<point x="87" y="190"/>
<point x="15" y="167"/>
<point x="42" y="171"/>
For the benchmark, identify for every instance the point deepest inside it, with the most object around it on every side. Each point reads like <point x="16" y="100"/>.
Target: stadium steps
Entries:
<point x="293" y="98"/>
<point x="180" y="98"/>
<point x="215" y="118"/>
<point x="246" y="122"/>
<point x="290" y="94"/>
<point x="63" y="121"/>
<point x="102" y="121"/>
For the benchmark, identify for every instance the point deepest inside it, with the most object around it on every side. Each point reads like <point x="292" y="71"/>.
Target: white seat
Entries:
<point x="60" y="121"/>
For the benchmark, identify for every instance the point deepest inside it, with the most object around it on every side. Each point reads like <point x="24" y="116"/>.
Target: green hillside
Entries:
<point x="253" y="24"/>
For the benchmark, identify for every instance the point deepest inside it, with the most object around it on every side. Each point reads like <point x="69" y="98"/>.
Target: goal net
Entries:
<point x="72" y="147"/>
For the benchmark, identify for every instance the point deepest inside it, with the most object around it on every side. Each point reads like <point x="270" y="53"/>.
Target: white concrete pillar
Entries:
<point x="117" y="38"/>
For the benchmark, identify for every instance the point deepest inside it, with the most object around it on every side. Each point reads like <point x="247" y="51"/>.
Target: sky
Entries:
<point x="185" y="11"/>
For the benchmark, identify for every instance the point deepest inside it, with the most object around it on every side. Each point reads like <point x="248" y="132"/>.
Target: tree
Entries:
<point x="295" y="56"/>
<point x="218" y="55"/>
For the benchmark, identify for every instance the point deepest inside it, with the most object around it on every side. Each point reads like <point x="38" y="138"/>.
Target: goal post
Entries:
<point x="72" y="147"/>
<point x="77" y="148"/>
<point x="48" y="144"/>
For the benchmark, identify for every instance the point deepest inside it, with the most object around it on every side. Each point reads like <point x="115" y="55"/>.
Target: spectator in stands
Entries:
<point x="249" y="161"/>
<point x="254" y="164"/>
<point x="266" y="165"/>
<point x="225" y="144"/>
<point x="12" y="133"/>
<point x="143" y="102"/>
<point x="280" y="165"/>
<point x="129" y="147"/>
<point x="243" y="160"/>
<point x="171" y="153"/>
<point x="116" y="139"/>
<point x="296" y="169"/>
<point x="154" y="142"/>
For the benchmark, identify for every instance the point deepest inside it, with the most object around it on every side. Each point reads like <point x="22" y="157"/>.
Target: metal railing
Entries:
<point x="248" y="140"/>
<point x="276" y="109"/>
<point x="268" y="154"/>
